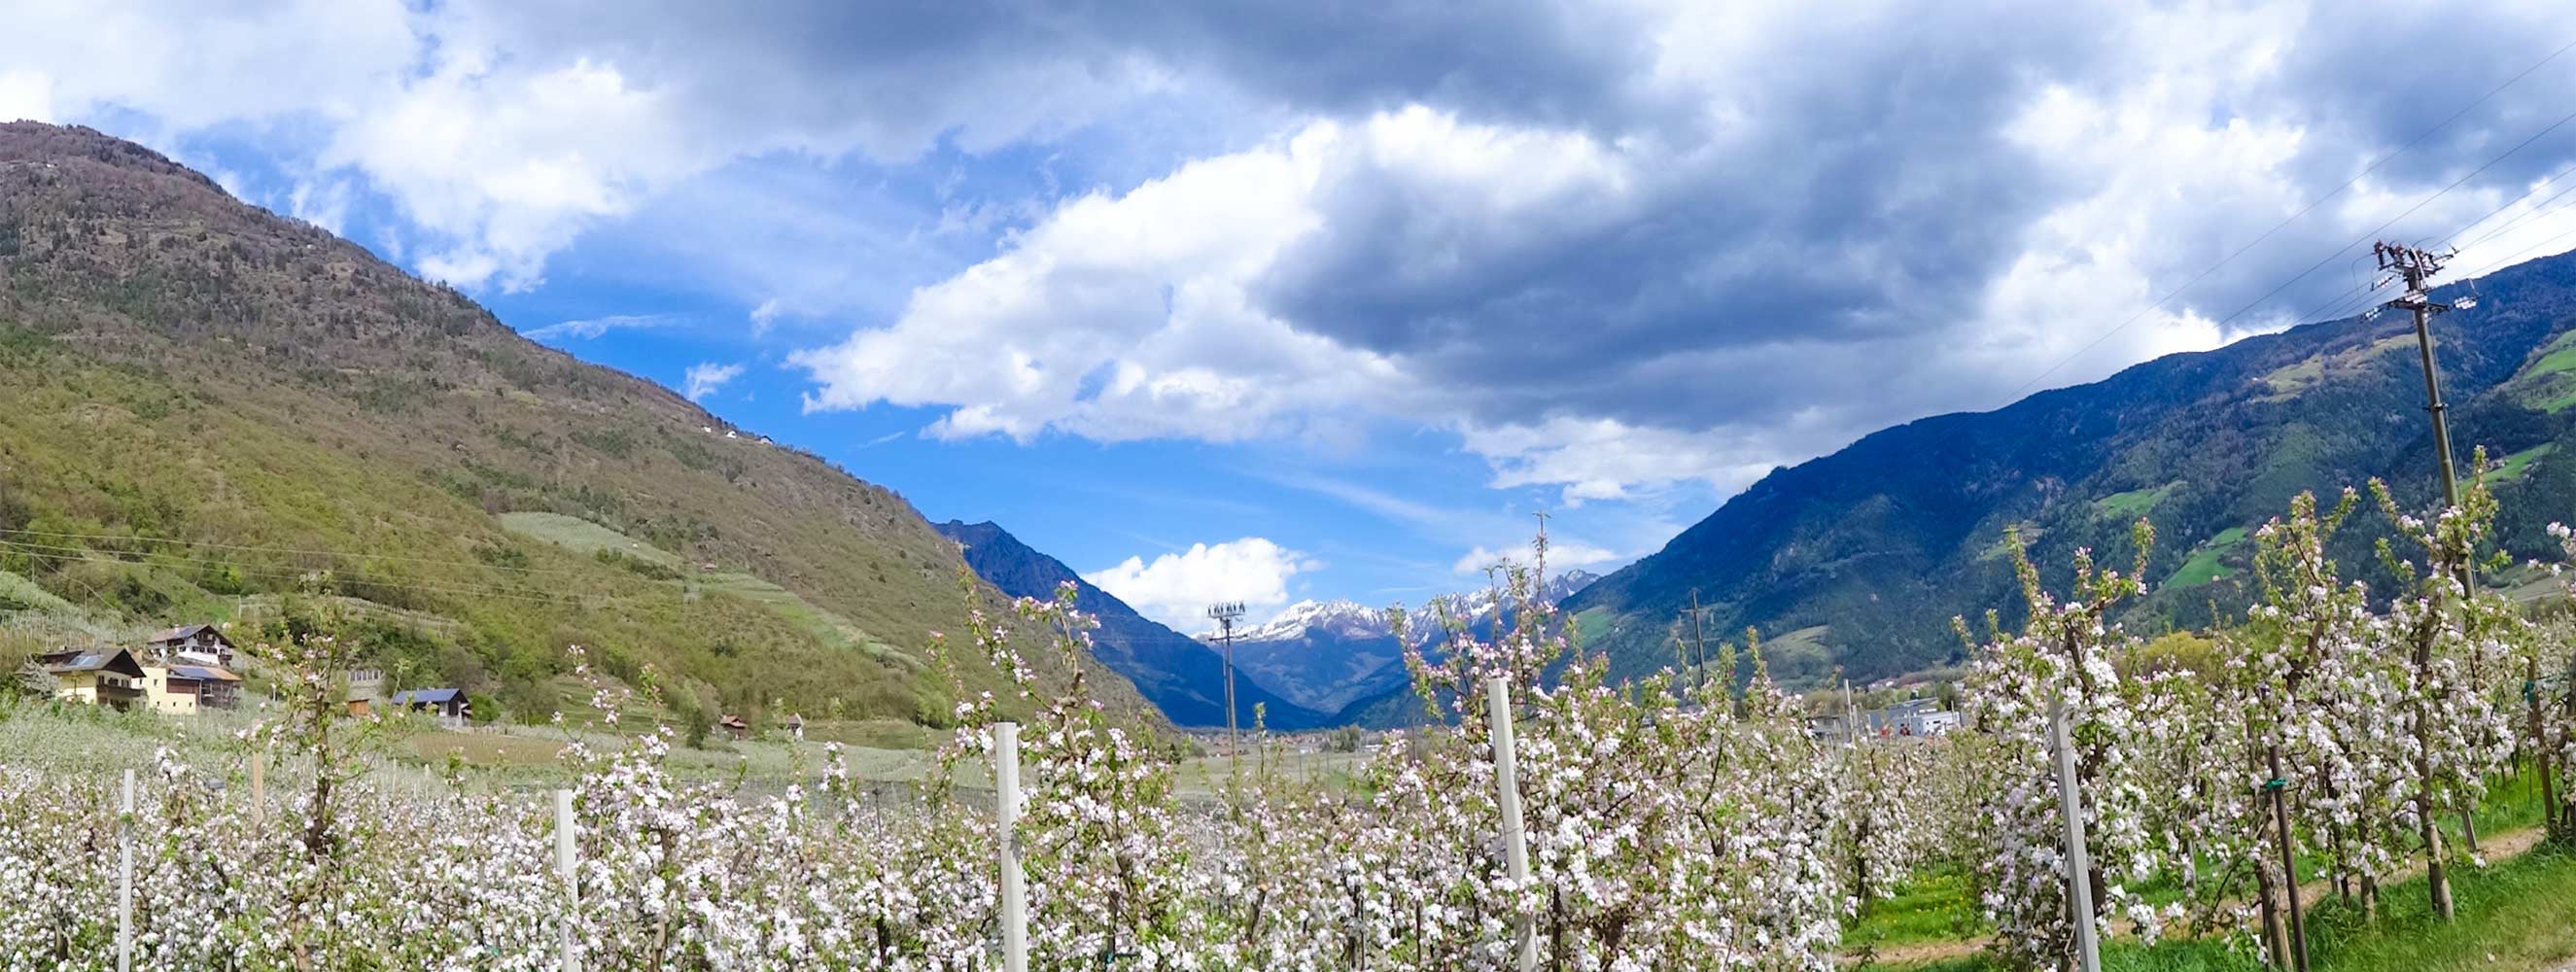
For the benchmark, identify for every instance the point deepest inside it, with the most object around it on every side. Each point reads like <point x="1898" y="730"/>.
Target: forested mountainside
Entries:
<point x="1180" y="675"/>
<point x="209" y="411"/>
<point x="1861" y="558"/>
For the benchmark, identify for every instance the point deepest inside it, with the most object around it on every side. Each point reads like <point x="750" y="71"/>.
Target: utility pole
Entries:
<point x="1225" y="614"/>
<point x="2417" y="267"/>
<point x="1699" y="646"/>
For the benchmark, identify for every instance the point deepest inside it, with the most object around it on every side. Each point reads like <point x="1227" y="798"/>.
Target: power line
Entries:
<point x="92" y="555"/>
<point x="2454" y="235"/>
<point x="2311" y="206"/>
<point x="252" y="548"/>
<point x="2410" y="211"/>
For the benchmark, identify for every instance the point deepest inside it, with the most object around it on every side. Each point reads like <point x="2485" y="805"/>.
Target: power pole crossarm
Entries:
<point x="1225" y="614"/>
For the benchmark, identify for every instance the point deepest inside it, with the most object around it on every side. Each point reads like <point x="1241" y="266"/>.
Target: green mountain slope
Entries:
<point x="205" y="409"/>
<point x="1871" y="550"/>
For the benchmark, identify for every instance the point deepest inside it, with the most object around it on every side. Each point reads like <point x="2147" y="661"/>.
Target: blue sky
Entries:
<point x="1276" y="301"/>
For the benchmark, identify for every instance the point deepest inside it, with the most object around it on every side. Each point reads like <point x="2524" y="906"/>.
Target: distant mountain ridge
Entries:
<point x="212" y="412"/>
<point x="1859" y="559"/>
<point x="1332" y="654"/>
<point x="1179" y="675"/>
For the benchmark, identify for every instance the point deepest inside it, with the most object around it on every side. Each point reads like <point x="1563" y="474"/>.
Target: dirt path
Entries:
<point x="2496" y="848"/>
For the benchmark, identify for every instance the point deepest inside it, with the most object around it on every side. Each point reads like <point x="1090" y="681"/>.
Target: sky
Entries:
<point x="1273" y="301"/>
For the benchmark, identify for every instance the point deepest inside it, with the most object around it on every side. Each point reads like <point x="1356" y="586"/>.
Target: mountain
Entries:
<point x="211" y="412"/>
<point x="1861" y="558"/>
<point x="1178" y="674"/>
<point x="1333" y="654"/>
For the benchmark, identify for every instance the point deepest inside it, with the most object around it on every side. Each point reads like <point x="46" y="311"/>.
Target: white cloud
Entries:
<point x="1137" y="315"/>
<point x="1562" y="556"/>
<point x="1613" y="246"/>
<point x="706" y="377"/>
<point x="590" y="328"/>
<point x="25" y="94"/>
<point x="1176" y="588"/>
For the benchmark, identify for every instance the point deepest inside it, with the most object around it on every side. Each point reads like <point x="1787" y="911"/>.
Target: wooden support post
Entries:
<point x="258" y="788"/>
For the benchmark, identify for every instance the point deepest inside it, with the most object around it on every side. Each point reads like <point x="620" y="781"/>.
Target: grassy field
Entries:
<point x="2517" y="916"/>
<point x="2134" y="503"/>
<point x="2521" y="911"/>
<point x="412" y="749"/>
<point x="831" y="629"/>
<point x="2204" y="565"/>
<point x="2518" y="463"/>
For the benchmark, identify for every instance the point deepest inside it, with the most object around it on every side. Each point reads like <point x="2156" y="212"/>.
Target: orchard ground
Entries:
<point x="2516" y="915"/>
<point x="82" y="739"/>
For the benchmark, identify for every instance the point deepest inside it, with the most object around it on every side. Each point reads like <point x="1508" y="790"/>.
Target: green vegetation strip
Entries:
<point x="2517" y="916"/>
<point x="2204" y="565"/>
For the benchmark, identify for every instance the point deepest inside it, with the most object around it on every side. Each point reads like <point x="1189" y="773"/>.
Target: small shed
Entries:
<point x="448" y="704"/>
<point x="734" y="725"/>
<point x="215" y="688"/>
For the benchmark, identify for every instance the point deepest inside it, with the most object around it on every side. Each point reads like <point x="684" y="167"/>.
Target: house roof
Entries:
<point x="185" y="632"/>
<point x="203" y="673"/>
<point x="440" y="696"/>
<point x="116" y="660"/>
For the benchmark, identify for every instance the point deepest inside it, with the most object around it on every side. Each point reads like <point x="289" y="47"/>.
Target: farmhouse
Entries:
<point x="98" y="676"/>
<point x="201" y="644"/>
<point x="450" y="705"/>
<point x="185" y="687"/>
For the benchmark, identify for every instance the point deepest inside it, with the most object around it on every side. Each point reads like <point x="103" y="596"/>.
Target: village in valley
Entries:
<point x="195" y="667"/>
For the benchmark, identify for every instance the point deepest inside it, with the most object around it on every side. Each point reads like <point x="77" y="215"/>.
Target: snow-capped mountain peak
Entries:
<point x="1349" y="619"/>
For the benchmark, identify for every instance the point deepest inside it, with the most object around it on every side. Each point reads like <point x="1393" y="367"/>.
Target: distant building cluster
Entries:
<point x="192" y="667"/>
<point x="182" y="669"/>
<point x="1912" y="717"/>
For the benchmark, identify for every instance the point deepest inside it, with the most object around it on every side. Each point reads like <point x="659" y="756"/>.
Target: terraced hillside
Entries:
<point x="1870" y="551"/>
<point x="207" y="410"/>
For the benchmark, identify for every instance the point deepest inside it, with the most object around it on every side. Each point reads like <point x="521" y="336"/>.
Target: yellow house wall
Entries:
<point x="82" y="687"/>
<point x="156" y="690"/>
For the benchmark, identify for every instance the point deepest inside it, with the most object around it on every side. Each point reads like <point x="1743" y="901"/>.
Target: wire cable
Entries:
<point x="2311" y="206"/>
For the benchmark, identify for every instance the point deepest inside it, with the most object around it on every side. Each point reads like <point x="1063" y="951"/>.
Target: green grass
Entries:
<point x="2133" y="503"/>
<point x="831" y="629"/>
<point x="2518" y="463"/>
<point x="2002" y="547"/>
<point x="1936" y="905"/>
<point x="2513" y="917"/>
<point x="21" y="594"/>
<point x="2204" y="565"/>
<point x="582" y="536"/>
<point x="2549" y="382"/>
